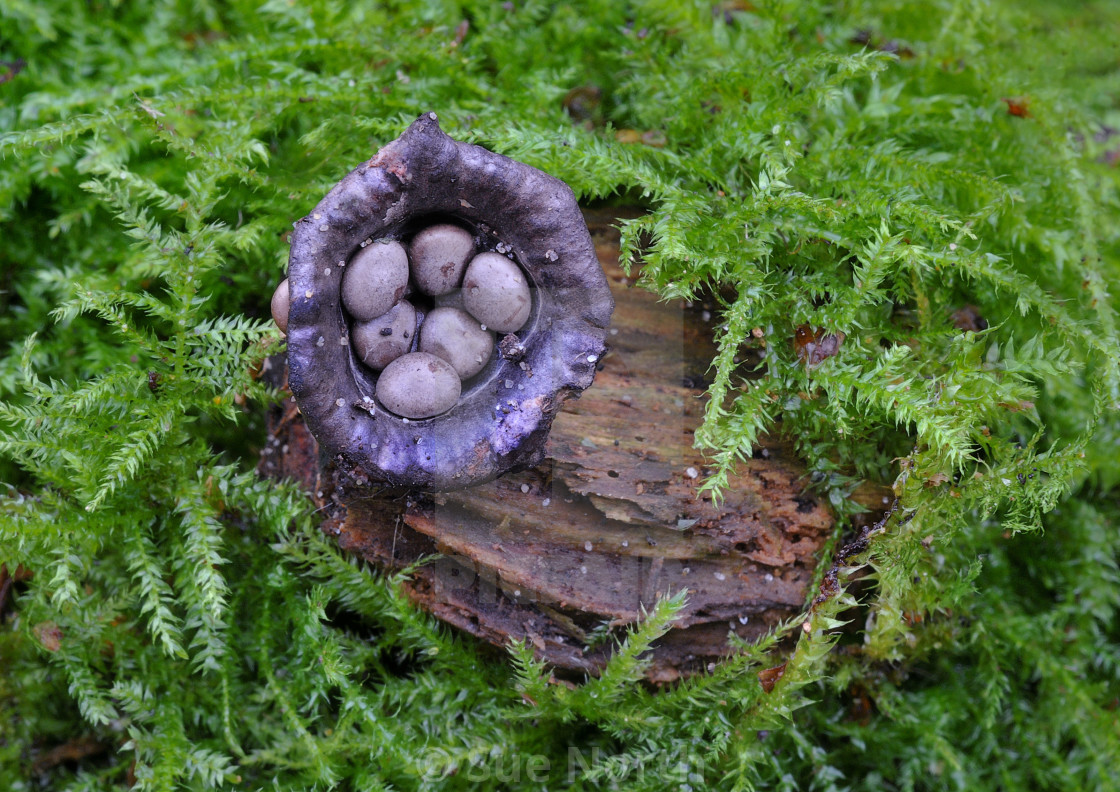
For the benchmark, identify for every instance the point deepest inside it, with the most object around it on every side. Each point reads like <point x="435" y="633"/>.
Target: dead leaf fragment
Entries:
<point x="49" y="635"/>
<point x="814" y="346"/>
<point x="1018" y="106"/>
<point x="582" y="102"/>
<point x="969" y="318"/>
<point x="9" y="69"/>
<point x="768" y="677"/>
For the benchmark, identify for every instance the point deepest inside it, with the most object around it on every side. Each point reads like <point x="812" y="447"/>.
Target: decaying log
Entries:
<point x="559" y="553"/>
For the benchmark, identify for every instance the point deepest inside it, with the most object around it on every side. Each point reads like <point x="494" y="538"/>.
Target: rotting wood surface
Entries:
<point x="610" y="521"/>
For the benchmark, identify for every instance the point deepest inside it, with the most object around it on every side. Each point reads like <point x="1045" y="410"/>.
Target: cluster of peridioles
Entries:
<point x="423" y="358"/>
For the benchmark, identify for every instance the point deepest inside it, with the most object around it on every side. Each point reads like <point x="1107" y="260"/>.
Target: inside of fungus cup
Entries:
<point x="486" y="240"/>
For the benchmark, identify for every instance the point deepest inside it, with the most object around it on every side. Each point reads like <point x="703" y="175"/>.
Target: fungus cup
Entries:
<point x="424" y="180"/>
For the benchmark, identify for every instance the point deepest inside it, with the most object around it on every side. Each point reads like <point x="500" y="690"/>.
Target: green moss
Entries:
<point x="850" y="166"/>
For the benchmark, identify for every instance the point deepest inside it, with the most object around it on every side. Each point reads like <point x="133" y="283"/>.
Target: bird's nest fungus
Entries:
<point x="442" y="302"/>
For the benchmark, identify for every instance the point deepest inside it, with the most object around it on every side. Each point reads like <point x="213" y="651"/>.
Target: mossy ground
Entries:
<point x="863" y="167"/>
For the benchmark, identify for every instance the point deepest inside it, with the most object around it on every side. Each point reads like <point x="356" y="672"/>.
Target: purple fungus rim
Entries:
<point x="503" y="416"/>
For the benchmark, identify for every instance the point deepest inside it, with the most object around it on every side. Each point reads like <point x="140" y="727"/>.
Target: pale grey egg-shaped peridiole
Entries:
<point x="380" y="341"/>
<point x="375" y="279"/>
<point x="418" y="385"/>
<point x="439" y="254"/>
<point x="458" y="338"/>
<point x="280" y="301"/>
<point x="496" y="293"/>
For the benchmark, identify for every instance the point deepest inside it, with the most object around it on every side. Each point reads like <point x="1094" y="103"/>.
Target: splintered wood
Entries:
<point x="568" y="553"/>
